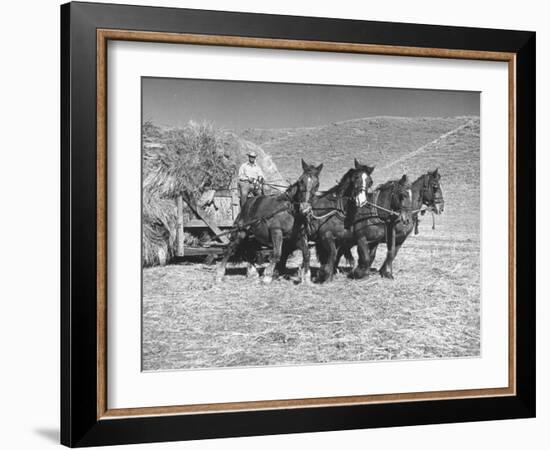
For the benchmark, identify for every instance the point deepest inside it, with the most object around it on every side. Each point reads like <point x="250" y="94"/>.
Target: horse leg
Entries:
<point x="285" y="253"/>
<point x="305" y="273"/>
<point x="389" y="262"/>
<point x="229" y="252"/>
<point x="399" y="240"/>
<point x="386" y="269"/>
<point x="364" y="262"/>
<point x="277" y="240"/>
<point x="339" y="254"/>
<point x="324" y="256"/>
<point x="345" y="251"/>
<point x="349" y="257"/>
<point x="372" y="253"/>
<point x="321" y="255"/>
<point x="328" y="270"/>
<point x="251" y="271"/>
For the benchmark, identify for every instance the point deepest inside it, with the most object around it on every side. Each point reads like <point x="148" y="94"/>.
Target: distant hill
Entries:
<point x="395" y="145"/>
<point x="377" y="140"/>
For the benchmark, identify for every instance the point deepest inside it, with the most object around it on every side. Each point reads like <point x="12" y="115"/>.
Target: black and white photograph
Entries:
<point x="261" y="225"/>
<point x="288" y="224"/>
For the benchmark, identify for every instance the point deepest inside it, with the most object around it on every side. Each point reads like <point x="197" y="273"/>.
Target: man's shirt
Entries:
<point x="248" y="170"/>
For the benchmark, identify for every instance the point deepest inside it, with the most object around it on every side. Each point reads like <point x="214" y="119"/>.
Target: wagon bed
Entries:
<point x="211" y="215"/>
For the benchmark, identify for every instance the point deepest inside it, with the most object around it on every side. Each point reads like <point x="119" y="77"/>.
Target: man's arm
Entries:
<point x="242" y="175"/>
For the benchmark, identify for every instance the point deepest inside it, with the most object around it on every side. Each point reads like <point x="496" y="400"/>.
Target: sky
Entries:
<point x="244" y="104"/>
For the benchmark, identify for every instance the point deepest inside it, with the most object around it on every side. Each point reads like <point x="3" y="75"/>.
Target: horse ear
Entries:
<point x="319" y="168"/>
<point x="436" y="171"/>
<point x="305" y="166"/>
<point x="357" y="165"/>
<point x="370" y="169"/>
<point x="404" y="180"/>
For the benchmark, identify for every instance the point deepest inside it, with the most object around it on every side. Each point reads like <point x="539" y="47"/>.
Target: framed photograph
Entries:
<point x="276" y="224"/>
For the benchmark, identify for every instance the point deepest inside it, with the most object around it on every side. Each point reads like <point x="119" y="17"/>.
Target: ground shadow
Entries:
<point x="50" y="434"/>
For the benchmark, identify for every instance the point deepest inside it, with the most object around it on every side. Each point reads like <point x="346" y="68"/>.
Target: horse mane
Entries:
<point x="389" y="183"/>
<point x="334" y="189"/>
<point x="421" y="178"/>
<point x="386" y="185"/>
<point x="288" y="193"/>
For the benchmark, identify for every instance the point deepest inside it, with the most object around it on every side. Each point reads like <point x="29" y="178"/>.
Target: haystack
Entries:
<point x="190" y="162"/>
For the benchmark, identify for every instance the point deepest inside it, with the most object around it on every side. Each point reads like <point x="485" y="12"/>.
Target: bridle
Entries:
<point x="361" y="195"/>
<point x="302" y="207"/>
<point x="427" y="186"/>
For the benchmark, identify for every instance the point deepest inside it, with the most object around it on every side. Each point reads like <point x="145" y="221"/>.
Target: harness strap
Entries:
<point x="245" y="226"/>
<point x="363" y="218"/>
<point x="329" y="214"/>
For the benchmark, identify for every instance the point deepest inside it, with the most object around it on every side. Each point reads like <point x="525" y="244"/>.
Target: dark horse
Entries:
<point x="329" y="224"/>
<point x="277" y="221"/>
<point x="372" y="227"/>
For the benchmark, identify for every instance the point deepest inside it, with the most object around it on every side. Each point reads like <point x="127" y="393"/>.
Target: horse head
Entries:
<point x="306" y="186"/>
<point x="402" y="199"/>
<point x="361" y="182"/>
<point x="432" y="194"/>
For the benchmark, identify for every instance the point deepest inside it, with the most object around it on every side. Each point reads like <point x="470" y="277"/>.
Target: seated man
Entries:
<point x="251" y="178"/>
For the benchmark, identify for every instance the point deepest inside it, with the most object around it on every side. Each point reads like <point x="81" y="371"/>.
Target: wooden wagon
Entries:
<point x="214" y="213"/>
<point x="210" y="217"/>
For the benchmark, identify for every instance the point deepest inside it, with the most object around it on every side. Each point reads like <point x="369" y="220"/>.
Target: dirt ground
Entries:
<point x="430" y="310"/>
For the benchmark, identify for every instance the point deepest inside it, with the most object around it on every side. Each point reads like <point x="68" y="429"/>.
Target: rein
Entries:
<point x="250" y="223"/>
<point x="390" y="211"/>
<point x="381" y="208"/>
<point x="278" y="187"/>
<point x="245" y="226"/>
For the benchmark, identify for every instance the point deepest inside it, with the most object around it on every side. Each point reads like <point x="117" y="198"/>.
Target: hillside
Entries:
<point x="377" y="140"/>
<point x="395" y="145"/>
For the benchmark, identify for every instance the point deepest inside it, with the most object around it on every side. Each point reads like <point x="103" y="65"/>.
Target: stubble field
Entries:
<point x="430" y="310"/>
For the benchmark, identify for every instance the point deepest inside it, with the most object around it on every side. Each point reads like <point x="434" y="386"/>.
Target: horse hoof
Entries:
<point x="358" y="274"/>
<point x="267" y="280"/>
<point x="387" y="275"/>
<point x="304" y="277"/>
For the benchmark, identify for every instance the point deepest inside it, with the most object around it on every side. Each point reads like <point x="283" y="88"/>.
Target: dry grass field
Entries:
<point x="430" y="310"/>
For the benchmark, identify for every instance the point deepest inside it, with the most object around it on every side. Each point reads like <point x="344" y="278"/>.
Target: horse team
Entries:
<point x="349" y="214"/>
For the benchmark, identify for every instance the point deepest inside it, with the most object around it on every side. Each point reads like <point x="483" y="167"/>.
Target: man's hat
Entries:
<point x="252" y="153"/>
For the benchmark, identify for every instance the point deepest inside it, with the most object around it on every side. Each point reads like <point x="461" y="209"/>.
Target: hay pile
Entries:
<point x="186" y="161"/>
